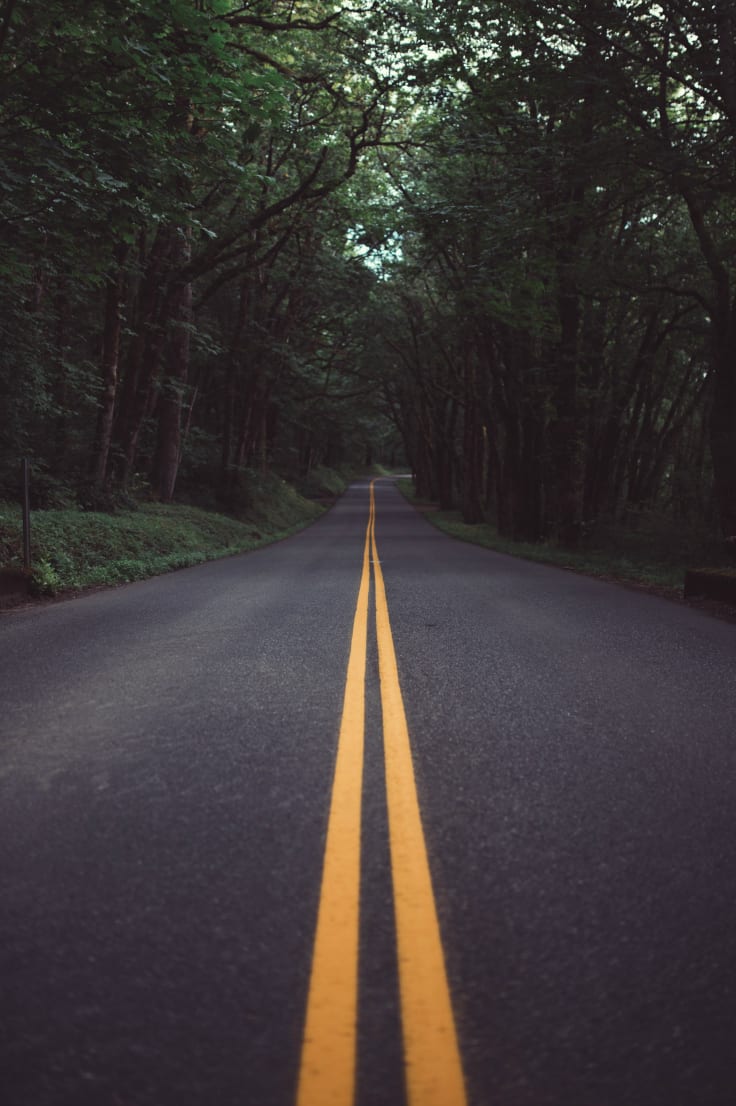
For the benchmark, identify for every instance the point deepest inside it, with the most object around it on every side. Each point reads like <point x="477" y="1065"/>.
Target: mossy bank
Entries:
<point x="650" y="553"/>
<point x="74" y="549"/>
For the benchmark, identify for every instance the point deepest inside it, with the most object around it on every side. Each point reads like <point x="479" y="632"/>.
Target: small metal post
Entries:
<point x="25" y="468"/>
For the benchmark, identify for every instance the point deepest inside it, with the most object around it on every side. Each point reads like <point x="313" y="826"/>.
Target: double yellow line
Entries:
<point x="434" y="1074"/>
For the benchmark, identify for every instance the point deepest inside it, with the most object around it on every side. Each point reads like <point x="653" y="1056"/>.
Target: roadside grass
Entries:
<point x="651" y="553"/>
<point x="74" y="549"/>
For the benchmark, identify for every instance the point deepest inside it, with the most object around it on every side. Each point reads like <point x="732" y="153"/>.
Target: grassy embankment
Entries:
<point x="652" y="552"/>
<point x="75" y="549"/>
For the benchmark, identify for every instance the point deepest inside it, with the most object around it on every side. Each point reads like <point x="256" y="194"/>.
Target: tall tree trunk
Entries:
<point x="168" y="448"/>
<point x="722" y="425"/>
<point x="144" y="355"/>
<point x="230" y="411"/>
<point x="444" y="454"/>
<point x="110" y="360"/>
<point x="565" y="433"/>
<point x="529" y="524"/>
<point x="509" y="482"/>
<point x="61" y="337"/>
<point x="171" y="398"/>
<point x="472" y="488"/>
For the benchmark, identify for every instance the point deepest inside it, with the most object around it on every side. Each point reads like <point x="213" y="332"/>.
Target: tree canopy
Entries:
<point x="249" y="235"/>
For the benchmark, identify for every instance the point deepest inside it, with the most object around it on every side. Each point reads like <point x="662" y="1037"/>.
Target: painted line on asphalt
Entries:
<point x="327" y="1070"/>
<point x="434" y="1074"/>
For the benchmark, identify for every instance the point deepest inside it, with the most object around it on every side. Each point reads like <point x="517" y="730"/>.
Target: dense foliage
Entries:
<point x="563" y="318"/>
<point x="179" y="291"/>
<point x="243" y="236"/>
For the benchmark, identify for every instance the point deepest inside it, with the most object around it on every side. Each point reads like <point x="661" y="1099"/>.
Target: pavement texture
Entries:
<point x="166" y="760"/>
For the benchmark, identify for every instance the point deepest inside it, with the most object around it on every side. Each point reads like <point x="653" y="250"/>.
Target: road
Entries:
<point x="536" y="805"/>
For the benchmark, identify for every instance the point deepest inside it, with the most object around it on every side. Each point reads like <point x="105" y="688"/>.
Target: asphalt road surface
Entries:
<point x="517" y="889"/>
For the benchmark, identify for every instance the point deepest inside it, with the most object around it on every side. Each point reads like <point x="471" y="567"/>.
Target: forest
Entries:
<point x="494" y="242"/>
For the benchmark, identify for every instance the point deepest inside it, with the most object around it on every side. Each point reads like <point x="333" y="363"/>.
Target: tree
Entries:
<point x="177" y="151"/>
<point x="550" y="246"/>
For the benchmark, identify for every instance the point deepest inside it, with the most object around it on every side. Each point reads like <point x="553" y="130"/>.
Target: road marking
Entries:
<point x="434" y="1075"/>
<point x="327" y="1071"/>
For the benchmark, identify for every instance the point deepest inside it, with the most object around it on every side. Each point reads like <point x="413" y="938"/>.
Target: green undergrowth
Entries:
<point x="652" y="553"/>
<point x="325" y="483"/>
<point x="75" y="549"/>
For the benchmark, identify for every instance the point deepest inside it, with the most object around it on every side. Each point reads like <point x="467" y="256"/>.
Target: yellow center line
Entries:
<point x="327" y="1071"/>
<point x="434" y="1075"/>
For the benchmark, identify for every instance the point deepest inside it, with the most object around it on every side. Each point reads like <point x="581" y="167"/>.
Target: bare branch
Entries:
<point x="240" y="20"/>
